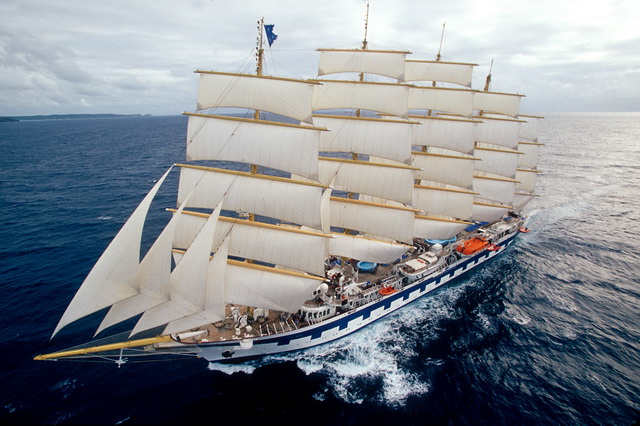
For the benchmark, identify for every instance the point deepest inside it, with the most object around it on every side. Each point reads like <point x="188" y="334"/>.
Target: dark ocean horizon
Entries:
<point x="547" y="333"/>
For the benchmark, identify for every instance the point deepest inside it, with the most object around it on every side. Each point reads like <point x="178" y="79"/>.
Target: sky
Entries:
<point x="138" y="56"/>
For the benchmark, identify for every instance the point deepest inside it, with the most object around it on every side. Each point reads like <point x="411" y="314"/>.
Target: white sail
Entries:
<point x="391" y="222"/>
<point x="214" y="297"/>
<point x="456" y="101"/>
<point x="527" y="179"/>
<point x="269" y="288"/>
<point x="497" y="160"/>
<point x="530" y="152"/>
<point x="286" y="147"/>
<point x="376" y="179"/>
<point x="280" y="198"/>
<point x="381" y="62"/>
<point x="366" y="249"/>
<point x="288" y="97"/>
<point x="446" y="72"/>
<point x="368" y="136"/>
<point x="114" y="277"/>
<point x="446" y="200"/>
<point x="154" y="279"/>
<point x="493" y="187"/>
<point x="281" y="245"/>
<point x="448" y="132"/>
<point x="188" y="283"/>
<point x="390" y="98"/>
<point x="529" y="129"/>
<point x="438" y="166"/>
<point x="437" y="228"/>
<point x="520" y="200"/>
<point x="489" y="212"/>
<point x="500" y="103"/>
<point x="498" y="131"/>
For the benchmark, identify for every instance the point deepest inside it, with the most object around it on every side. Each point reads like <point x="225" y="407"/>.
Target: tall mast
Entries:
<point x="259" y="60"/>
<point x="364" y="47"/>
<point x="438" y="56"/>
<point x="441" y="39"/>
<point x="488" y="81"/>
<point x="486" y="84"/>
<point x="366" y="25"/>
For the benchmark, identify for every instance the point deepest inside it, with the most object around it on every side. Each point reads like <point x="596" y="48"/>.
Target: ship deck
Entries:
<point x="273" y="323"/>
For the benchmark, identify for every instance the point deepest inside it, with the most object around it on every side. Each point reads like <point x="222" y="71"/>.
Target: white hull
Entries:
<point x="343" y="324"/>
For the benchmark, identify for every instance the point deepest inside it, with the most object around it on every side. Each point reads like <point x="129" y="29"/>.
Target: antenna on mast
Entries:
<point x="366" y="25"/>
<point x="364" y="47"/>
<point x="260" y="50"/>
<point x="486" y="84"/>
<point x="441" y="39"/>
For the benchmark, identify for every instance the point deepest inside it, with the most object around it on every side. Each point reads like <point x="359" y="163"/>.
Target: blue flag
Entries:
<point x="271" y="37"/>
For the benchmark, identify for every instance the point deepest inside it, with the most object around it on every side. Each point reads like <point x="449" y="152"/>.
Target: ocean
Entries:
<point x="547" y="333"/>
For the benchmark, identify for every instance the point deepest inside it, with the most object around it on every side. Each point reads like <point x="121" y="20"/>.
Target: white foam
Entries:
<point x="232" y="368"/>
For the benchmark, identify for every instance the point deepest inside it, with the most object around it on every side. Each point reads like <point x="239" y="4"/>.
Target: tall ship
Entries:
<point x="308" y="209"/>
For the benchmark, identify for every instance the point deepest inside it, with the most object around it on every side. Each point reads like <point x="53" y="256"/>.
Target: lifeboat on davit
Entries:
<point x="472" y="246"/>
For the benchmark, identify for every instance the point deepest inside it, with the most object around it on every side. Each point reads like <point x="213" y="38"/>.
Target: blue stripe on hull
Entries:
<point x="343" y="324"/>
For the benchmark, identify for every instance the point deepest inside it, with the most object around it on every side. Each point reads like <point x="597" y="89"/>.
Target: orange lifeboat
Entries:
<point x="385" y="291"/>
<point x="472" y="246"/>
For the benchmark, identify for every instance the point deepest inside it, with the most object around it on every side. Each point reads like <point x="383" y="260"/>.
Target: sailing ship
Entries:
<point x="322" y="207"/>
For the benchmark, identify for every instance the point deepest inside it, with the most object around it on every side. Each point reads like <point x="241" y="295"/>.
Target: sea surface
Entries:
<point x="548" y="333"/>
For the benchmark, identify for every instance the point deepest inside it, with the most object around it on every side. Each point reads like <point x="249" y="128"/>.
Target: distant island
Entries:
<point x="67" y="117"/>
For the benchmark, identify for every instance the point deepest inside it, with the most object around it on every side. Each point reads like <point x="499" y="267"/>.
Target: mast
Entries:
<point x="364" y="47"/>
<point x="429" y="112"/>
<point x="488" y="80"/>
<point x="259" y="60"/>
<point x="438" y="56"/>
<point x="366" y="26"/>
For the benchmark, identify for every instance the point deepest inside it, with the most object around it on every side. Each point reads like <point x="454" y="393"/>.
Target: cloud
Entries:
<point x="138" y="57"/>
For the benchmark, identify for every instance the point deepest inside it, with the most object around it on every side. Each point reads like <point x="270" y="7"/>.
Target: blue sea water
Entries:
<point x="548" y="333"/>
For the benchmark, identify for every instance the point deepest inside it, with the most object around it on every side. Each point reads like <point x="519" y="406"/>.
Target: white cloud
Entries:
<point x="138" y="56"/>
